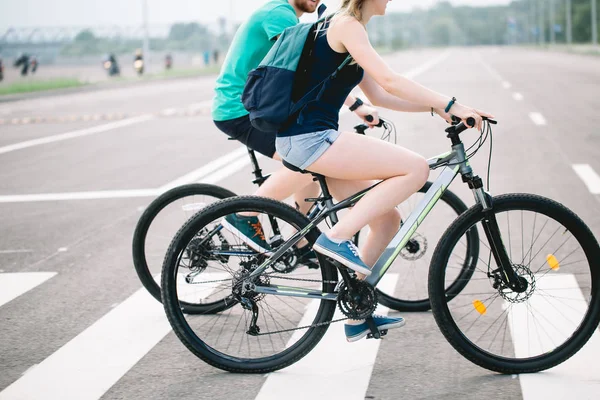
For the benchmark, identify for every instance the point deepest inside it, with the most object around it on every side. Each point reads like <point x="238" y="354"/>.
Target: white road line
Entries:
<point x="75" y="134"/>
<point x="222" y="167"/>
<point x="538" y="118"/>
<point x="229" y="170"/>
<point x="87" y="366"/>
<point x="14" y="284"/>
<point x="575" y="378"/>
<point x="200" y="106"/>
<point x="16" y="251"/>
<point x="107" y="194"/>
<point x="492" y="71"/>
<point x="205" y="170"/>
<point x="495" y="74"/>
<point x="335" y="369"/>
<point x="518" y="96"/>
<point x="168" y="112"/>
<point x="413" y="73"/>
<point x="589" y="177"/>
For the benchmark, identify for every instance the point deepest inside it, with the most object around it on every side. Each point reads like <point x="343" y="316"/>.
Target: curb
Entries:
<point x="94" y="87"/>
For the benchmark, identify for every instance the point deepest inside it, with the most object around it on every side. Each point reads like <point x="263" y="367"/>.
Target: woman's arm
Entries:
<point x="380" y="98"/>
<point x="347" y="34"/>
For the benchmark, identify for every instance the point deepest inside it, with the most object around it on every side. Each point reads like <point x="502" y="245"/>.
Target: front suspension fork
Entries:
<point x="492" y="232"/>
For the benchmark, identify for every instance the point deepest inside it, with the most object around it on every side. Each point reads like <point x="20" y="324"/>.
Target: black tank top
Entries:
<point x="324" y="114"/>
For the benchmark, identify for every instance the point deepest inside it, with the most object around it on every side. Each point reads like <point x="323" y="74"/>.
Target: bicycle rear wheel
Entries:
<point x="254" y="332"/>
<point x="513" y="332"/>
<point x="159" y="223"/>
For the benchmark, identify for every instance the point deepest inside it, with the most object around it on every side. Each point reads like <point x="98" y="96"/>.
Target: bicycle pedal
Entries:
<point x="376" y="336"/>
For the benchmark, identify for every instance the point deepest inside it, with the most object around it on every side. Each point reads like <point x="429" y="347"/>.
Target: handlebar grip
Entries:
<point x="370" y="118"/>
<point x="470" y="121"/>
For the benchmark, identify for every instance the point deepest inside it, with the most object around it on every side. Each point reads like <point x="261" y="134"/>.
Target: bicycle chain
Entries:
<point x="306" y="326"/>
<point x="302" y="327"/>
<point x="291" y="279"/>
<point x="300" y="279"/>
<point x="270" y="276"/>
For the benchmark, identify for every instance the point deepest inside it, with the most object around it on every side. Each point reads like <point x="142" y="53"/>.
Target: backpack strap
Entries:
<point x="322" y="86"/>
<point x="321" y="10"/>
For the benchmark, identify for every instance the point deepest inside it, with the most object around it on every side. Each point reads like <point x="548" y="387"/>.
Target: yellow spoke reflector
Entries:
<point x="553" y="262"/>
<point x="480" y="307"/>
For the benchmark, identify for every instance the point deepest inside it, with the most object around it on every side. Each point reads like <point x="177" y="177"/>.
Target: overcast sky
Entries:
<point x="27" y="13"/>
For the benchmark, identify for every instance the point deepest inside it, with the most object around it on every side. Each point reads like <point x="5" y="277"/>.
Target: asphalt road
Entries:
<point x="72" y="190"/>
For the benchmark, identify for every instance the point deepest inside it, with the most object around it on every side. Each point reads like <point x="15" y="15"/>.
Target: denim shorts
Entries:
<point x="303" y="150"/>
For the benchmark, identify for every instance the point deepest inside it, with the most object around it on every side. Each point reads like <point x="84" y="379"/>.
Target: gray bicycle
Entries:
<point x="529" y="301"/>
<point x="163" y="217"/>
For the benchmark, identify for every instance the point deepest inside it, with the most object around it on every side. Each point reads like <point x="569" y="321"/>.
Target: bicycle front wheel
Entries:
<point x="542" y="323"/>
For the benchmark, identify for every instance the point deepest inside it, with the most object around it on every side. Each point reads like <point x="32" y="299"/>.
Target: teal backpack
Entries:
<point x="275" y="92"/>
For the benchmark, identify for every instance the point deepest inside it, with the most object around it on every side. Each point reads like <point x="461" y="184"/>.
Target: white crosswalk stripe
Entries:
<point x="87" y="366"/>
<point x="325" y="371"/>
<point x="13" y="285"/>
<point x="91" y="363"/>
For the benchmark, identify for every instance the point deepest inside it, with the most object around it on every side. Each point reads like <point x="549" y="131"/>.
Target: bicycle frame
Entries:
<point x="454" y="162"/>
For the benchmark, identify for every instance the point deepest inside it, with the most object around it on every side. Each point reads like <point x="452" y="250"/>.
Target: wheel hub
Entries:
<point x="415" y="248"/>
<point x="521" y="292"/>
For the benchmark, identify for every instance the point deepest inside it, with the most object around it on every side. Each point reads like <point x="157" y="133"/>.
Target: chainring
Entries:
<point x="359" y="303"/>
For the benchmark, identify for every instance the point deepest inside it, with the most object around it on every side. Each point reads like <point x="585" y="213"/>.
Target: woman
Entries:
<point x="352" y="161"/>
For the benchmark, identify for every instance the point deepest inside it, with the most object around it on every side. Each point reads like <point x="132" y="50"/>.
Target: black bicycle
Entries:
<point x="167" y="213"/>
<point x="529" y="301"/>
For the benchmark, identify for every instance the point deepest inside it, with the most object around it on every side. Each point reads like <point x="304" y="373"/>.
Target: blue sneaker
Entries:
<point x="345" y="252"/>
<point x="249" y="230"/>
<point x="357" y="332"/>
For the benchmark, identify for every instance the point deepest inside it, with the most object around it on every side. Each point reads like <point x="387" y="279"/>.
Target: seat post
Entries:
<point x="259" y="178"/>
<point x="326" y="196"/>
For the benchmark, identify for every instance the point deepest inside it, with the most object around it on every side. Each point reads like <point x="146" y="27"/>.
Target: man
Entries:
<point x="250" y="45"/>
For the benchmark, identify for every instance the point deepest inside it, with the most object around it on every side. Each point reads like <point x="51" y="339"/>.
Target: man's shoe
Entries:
<point x="249" y="230"/>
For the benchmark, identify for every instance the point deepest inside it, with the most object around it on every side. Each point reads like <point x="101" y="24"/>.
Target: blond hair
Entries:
<point x="352" y="8"/>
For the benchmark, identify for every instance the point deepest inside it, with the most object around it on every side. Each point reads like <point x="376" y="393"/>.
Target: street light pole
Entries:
<point x="569" y="24"/>
<point x="594" y="23"/>
<point x="532" y="23"/>
<point x="541" y="22"/>
<point x="552" y="23"/>
<point x="231" y="23"/>
<point x="146" y="45"/>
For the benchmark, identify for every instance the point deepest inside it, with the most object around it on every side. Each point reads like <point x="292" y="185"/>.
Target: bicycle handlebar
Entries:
<point x="361" y="129"/>
<point x="458" y="126"/>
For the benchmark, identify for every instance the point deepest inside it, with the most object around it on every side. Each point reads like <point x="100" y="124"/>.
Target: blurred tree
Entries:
<point x="582" y="21"/>
<point x="182" y="32"/>
<point x="85" y="36"/>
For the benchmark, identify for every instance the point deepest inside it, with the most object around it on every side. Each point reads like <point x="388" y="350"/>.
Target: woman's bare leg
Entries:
<point x="285" y="182"/>
<point x="357" y="157"/>
<point x="382" y="229"/>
